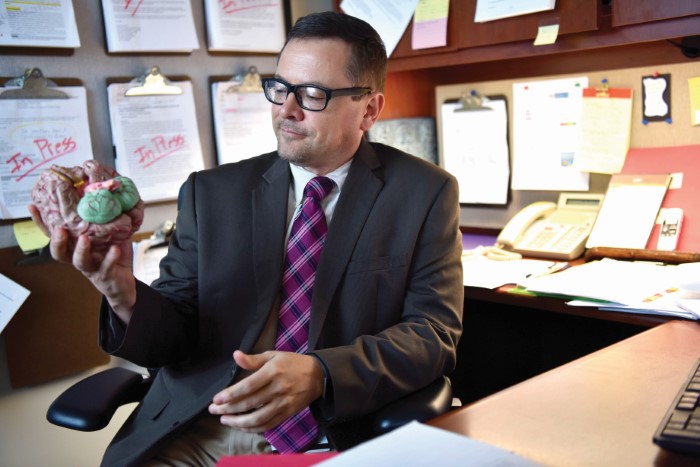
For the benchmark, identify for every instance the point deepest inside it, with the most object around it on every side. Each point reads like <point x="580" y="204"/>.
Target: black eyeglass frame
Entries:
<point x="292" y="88"/>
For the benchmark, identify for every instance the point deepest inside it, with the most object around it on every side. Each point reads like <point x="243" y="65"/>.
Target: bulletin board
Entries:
<point x="655" y="134"/>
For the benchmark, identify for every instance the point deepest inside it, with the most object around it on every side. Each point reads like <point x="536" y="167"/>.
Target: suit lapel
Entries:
<point x="269" y="228"/>
<point x="360" y="191"/>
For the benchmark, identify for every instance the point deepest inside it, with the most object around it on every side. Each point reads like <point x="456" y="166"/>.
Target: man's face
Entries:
<point x="320" y="141"/>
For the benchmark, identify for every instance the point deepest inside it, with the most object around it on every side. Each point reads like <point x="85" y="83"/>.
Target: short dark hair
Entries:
<point x="367" y="63"/>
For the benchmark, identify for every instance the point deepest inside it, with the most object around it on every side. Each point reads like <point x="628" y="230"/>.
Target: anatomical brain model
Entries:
<point x="91" y="200"/>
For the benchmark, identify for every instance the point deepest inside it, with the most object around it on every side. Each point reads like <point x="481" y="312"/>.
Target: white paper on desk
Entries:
<point x="250" y="26"/>
<point x="620" y="282"/>
<point x="489" y="10"/>
<point x="480" y="271"/>
<point x="152" y="26"/>
<point x="12" y="295"/>
<point x="389" y="17"/>
<point x="156" y="139"/>
<point x="147" y="256"/>
<point x="242" y="123"/>
<point x="35" y="134"/>
<point x="475" y="151"/>
<point x="663" y="303"/>
<point x="417" y="444"/>
<point x="546" y="124"/>
<point x="38" y="24"/>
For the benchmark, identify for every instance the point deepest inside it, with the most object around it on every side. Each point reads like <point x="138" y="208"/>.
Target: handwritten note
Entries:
<point x="149" y="26"/>
<point x="34" y="134"/>
<point x="156" y="139"/>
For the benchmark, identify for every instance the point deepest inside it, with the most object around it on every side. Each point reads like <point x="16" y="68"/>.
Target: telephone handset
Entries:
<point x="552" y="230"/>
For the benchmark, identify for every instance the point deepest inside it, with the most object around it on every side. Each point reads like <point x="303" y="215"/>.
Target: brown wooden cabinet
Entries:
<point x="626" y="12"/>
<point x="573" y="16"/>
<point x="594" y="35"/>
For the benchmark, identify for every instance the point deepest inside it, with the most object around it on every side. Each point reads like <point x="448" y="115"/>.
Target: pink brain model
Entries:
<point x="91" y="200"/>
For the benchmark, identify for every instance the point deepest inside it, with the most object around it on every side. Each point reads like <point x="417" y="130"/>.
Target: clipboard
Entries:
<point x="159" y="148"/>
<point x="241" y="114"/>
<point x="473" y="146"/>
<point x="44" y="123"/>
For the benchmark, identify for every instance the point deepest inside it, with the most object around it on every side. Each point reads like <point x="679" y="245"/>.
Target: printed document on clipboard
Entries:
<point x="474" y="136"/>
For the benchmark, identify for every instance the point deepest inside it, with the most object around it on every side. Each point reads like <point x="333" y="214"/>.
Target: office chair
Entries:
<point x="89" y="405"/>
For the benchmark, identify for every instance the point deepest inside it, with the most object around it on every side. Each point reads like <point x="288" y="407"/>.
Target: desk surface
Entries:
<point x="599" y="410"/>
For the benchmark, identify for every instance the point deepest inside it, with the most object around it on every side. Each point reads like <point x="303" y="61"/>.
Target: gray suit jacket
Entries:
<point x="387" y="304"/>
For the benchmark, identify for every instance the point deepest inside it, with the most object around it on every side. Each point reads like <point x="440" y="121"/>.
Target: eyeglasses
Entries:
<point x="309" y="96"/>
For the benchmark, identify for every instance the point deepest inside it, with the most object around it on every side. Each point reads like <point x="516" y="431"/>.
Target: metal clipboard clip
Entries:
<point x="249" y="82"/>
<point x="153" y="83"/>
<point x="472" y="101"/>
<point x="32" y="85"/>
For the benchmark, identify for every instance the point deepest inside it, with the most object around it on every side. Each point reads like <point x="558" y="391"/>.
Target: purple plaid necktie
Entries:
<point x="303" y="252"/>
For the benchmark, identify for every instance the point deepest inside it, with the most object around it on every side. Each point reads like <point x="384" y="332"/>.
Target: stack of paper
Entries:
<point x="631" y="286"/>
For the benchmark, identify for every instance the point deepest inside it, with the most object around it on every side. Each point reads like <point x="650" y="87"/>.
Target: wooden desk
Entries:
<point x="501" y="296"/>
<point x="599" y="410"/>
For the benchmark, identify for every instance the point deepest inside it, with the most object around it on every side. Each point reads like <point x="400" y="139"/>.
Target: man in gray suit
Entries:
<point x="388" y="295"/>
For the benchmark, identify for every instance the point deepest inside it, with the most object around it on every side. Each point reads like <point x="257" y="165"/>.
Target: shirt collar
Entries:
<point x="302" y="176"/>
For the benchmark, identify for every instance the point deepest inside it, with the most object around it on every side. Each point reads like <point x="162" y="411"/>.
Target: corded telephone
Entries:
<point x="547" y="230"/>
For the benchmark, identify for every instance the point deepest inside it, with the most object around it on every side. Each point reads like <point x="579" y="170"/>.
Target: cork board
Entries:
<point x="655" y="134"/>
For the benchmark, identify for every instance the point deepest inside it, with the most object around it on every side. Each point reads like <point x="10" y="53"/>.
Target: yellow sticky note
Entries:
<point x="694" y="94"/>
<point x="547" y="34"/>
<point x="29" y="236"/>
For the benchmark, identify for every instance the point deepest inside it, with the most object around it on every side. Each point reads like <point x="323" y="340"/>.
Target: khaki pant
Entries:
<point x="206" y="441"/>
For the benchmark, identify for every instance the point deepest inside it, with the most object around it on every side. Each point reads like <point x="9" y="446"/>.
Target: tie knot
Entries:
<point x="318" y="188"/>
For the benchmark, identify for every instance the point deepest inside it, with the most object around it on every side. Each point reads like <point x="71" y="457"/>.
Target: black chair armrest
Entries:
<point x="422" y="405"/>
<point x="89" y="404"/>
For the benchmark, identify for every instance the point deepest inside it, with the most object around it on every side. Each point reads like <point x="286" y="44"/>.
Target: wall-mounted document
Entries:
<point x="242" y="123"/>
<point x="250" y="26"/>
<point x="38" y="24"/>
<point x="475" y="149"/>
<point x="156" y="138"/>
<point x="546" y="131"/>
<point x="389" y="17"/>
<point x="606" y="122"/>
<point x="490" y="10"/>
<point x="35" y="134"/>
<point x="153" y="26"/>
